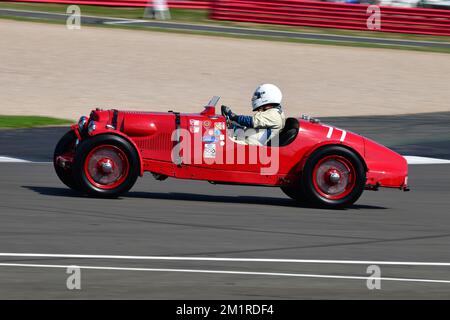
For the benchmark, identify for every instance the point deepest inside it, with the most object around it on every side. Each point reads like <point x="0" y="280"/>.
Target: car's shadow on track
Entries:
<point x="272" y="201"/>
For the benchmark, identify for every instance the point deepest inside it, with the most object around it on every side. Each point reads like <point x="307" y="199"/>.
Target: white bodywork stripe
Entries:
<point x="330" y="132"/>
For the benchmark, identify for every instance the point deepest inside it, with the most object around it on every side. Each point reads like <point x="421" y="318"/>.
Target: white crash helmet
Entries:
<point x="266" y="94"/>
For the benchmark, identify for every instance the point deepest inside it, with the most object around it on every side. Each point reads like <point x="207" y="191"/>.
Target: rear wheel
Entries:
<point x="333" y="177"/>
<point x="106" y="166"/>
<point x="295" y="192"/>
<point x="66" y="145"/>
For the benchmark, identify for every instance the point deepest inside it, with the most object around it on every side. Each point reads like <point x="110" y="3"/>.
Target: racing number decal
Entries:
<point x="330" y="133"/>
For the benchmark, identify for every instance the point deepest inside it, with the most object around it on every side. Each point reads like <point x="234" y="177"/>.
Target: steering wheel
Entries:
<point x="227" y="119"/>
<point x="231" y="124"/>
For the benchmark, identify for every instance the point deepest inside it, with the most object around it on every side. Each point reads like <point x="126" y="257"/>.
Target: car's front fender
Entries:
<point x="386" y="168"/>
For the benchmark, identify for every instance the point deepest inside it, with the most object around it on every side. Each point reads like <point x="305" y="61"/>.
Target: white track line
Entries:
<point x="424" y="160"/>
<point x="12" y="160"/>
<point x="276" y="274"/>
<point x="120" y="257"/>
<point x="410" y="159"/>
<point x="124" y="22"/>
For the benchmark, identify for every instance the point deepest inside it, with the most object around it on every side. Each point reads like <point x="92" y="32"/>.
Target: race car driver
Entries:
<point x="268" y="120"/>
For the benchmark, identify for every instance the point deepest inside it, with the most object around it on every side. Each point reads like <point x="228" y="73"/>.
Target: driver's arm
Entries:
<point x="245" y="121"/>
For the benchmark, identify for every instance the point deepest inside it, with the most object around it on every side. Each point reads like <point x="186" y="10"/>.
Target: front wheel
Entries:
<point x="333" y="177"/>
<point x="106" y="166"/>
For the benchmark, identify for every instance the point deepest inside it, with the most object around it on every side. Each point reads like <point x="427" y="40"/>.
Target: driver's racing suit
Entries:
<point x="262" y="126"/>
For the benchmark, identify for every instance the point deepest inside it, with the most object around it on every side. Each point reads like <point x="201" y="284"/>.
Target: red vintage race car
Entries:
<point x="311" y="162"/>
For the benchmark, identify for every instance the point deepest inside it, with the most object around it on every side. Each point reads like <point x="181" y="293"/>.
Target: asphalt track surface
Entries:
<point x="191" y="218"/>
<point x="181" y="218"/>
<point x="90" y="20"/>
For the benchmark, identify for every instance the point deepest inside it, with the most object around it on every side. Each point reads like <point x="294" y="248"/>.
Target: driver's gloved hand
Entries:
<point x="226" y="111"/>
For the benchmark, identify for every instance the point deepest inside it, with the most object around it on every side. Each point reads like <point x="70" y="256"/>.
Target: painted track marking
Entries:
<point x="12" y="160"/>
<point x="409" y="159"/>
<point x="424" y="160"/>
<point x="125" y="21"/>
<point x="312" y="261"/>
<point x="276" y="274"/>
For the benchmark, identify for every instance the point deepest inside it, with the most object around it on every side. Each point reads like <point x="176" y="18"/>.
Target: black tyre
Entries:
<point x="295" y="192"/>
<point x="106" y="166"/>
<point x="333" y="177"/>
<point x="65" y="145"/>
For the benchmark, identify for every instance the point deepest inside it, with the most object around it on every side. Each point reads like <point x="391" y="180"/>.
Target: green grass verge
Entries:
<point x="31" y="121"/>
<point x="201" y="16"/>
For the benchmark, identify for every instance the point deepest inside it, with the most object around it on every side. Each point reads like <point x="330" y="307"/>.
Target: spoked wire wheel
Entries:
<point x="334" y="177"/>
<point x="106" y="167"/>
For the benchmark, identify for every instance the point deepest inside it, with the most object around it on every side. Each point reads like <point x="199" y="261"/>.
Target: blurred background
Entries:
<point x="329" y="58"/>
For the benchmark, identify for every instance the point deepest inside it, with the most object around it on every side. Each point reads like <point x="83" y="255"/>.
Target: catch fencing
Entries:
<point x="334" y="15"/>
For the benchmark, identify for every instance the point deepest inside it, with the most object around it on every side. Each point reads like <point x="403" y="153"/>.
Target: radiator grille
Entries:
<point x="159" y="141"/>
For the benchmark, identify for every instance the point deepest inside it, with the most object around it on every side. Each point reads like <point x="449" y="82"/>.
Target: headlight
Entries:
<point x="82" y="122"/>
<point x="91" y="126"/>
